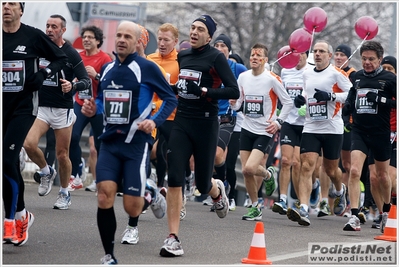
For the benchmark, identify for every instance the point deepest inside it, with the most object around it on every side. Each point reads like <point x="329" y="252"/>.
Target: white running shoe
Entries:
<point x="46" y="182"/>
<point x="130" y="235"/>
<point x="92" y="187"/>
<point x="222" y="205"/>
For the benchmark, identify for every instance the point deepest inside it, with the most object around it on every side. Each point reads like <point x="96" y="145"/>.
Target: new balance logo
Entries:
<point x="20" y="49"/>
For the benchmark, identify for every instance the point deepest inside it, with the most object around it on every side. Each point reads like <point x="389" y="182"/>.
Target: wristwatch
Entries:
<point x="73" y="86"/>
<point x="333" y="97"/>
<point x="98" y="76"/>
<point x="280" y="121"/>
<point x="204" y="90"/>
<point x="48" y="72"/>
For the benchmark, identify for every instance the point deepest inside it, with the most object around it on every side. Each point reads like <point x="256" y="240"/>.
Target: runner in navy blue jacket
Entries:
<point x="126" y="89"/>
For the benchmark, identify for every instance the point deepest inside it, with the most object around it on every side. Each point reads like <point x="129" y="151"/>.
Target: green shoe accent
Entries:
<point x="270" y="184"/>
<point x="254" y="214"/>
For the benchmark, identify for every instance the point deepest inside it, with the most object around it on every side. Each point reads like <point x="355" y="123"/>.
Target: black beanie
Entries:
<point x="344" y="49"/>
<point x="209" y="23"/>
<point x="389" y="60"/>
<point x="224" y="39"/>
<point x="22" y="6"/>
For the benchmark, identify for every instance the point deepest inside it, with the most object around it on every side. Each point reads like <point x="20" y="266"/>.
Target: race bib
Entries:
<point x="362" y="105"/>
<point x="13" y="75"/>
<point x="294" y="89"/>
<point x="181" y="84"/>
<point x="317" y="110"/>
<point x="253" y="106"/>
<point x="117" y="105"/>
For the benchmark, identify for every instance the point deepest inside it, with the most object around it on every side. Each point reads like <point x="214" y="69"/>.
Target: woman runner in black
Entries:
<point x="202" y="71"/>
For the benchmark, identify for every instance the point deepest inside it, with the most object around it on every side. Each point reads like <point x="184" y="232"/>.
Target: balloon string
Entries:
<point x="357" y="48"/>
<point x="311" y="40"/>
<point x="283" y="56"/>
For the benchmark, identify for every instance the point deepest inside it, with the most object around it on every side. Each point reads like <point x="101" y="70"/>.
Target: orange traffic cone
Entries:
<point x="390" y="227"/>
<point x="257" y="251"/>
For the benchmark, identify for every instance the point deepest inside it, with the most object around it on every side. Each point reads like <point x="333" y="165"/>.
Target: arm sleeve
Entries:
<point x="79" y="70"/>
<point x="230" y="89"/>
<point x="51" y="52"/>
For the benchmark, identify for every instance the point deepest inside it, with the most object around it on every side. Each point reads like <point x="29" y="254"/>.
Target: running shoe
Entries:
<point x="158" y="203"/>
<point x="75" y="184"/>
<point x="384" y="219"/>
<point x="377" y="222"/>
<point x="108" y="260"/>
<point x="22" y="227"/>
<point x="63" y="201"/>
<point x="183" y="211"/>
<point x="208" y="201"/>
<point x="163" y="191"/>
<point x="315" y="196"/>
<point x="363" y="214"/>
<point x="271" y="183"/>
<point x="10" y="233"/>
<point x="324" y="209"/>
<point x="196" y="193"/>
<point x="331" y="190"/>
<point x="130" y="235"/>
<point x="340" y="202"/>
<point x="232" y="204"/>
<point x="247" y="202"/>
<point x="221" y="205"/>
<point x="280" y="207"/>
<point x="353" y="224"/>
<point x="82" y="170"/>
<point x="22" y="161"/>
<point x="46" y="181"/>
<point x="298" y="214"/>
<point x="254" y="214"/>
<point x="172" y="247"/>
<point x="348" y="212"/>
<point x="261" y="202"/>
<point x="92" y="187"/>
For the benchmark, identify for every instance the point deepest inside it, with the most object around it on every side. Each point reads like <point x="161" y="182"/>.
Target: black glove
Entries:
<point x="36" y="80"/>
<point x="193" y="88"/>
<point x="322" y="95"/>
<point x="373" y="97"/>
<point x="348" y="127"/>
<point x="347" y="109"/>
<point x="299" y="101"/>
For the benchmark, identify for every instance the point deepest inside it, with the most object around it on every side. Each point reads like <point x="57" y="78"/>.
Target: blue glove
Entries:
<point x="322" y="95"/>
<point x="299" y="101"/>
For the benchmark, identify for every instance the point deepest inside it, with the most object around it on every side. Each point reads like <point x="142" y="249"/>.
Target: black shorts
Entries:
<point x="291" y="134"/>
<point x="250" y="141"/>
<point x="377" y="144"/>
<point x="346" y="144"/>
<point x="330" y="143"/>
<point x="225" y="131"/>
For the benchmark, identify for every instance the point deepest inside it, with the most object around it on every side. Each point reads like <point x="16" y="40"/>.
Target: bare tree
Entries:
<point x="272" y="23"/>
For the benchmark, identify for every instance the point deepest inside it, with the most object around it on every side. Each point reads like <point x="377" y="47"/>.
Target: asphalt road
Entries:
<point x="71" y="236"/>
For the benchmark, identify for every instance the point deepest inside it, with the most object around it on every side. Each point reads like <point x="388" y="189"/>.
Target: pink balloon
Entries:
<point x="289" y="61"/>
<point x="366" y="27"/>
<point x="300" y="40"/>
<point x="315" y="18"/>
